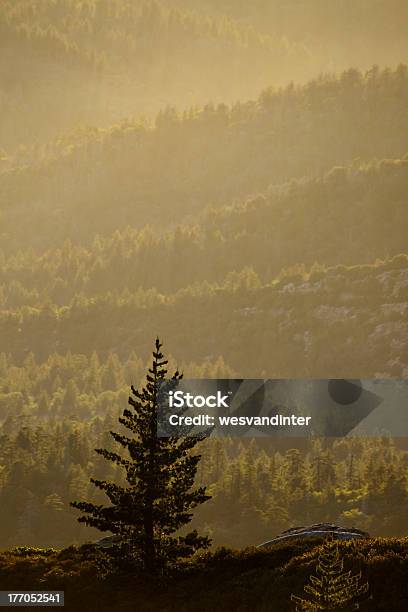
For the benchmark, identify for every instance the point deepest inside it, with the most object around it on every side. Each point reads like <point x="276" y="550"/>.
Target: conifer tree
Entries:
<point x="159" y="496"/>
<point x="332" y="588"/>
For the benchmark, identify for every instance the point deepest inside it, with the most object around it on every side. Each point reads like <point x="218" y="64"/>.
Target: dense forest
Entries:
<point x="257" y="489"/>
<point x="231" y="176"/>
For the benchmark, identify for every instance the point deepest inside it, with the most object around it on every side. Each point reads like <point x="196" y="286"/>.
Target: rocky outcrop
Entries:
<point x="320" y="530"/>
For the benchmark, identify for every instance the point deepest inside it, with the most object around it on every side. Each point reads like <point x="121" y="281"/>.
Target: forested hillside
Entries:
<point x="95" y="62"/>
<point x="327" y="323"/>
<point x="354" y="213"/>
<point x="164" y="175"/>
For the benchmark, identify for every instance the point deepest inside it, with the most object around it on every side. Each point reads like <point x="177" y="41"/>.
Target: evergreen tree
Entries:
<point x="158" y="497"/>
<point x="331" y="588"/>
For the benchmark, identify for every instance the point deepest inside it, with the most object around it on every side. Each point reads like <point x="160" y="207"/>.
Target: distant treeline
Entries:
<point x="92" y="62"/>
<point x="347" y="31"/>
<point x="134" y="174"/>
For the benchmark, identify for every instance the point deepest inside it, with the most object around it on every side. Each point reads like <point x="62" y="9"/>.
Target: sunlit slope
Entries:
<point x="340" y="322"/>
<point x="96" y="181"/>
<point x="354" y="213"/>
<point x="91" y="63"/>
<point x="72" y="62"/>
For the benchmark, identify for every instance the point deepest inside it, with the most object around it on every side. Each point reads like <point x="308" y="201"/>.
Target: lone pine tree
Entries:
<point x="332" y="588"/>
<point x="159" y="496"/>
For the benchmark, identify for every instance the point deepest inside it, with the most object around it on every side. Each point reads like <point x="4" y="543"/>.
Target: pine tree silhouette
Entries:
<point x="332" y="588"/>
<point x="160" y="473"/>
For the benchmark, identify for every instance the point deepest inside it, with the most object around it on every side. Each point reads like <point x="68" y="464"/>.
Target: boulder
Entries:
<point x="319" y="530"/>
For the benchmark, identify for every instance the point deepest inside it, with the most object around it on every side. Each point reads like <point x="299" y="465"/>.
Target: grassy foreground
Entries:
<point x="250" y="579"/>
